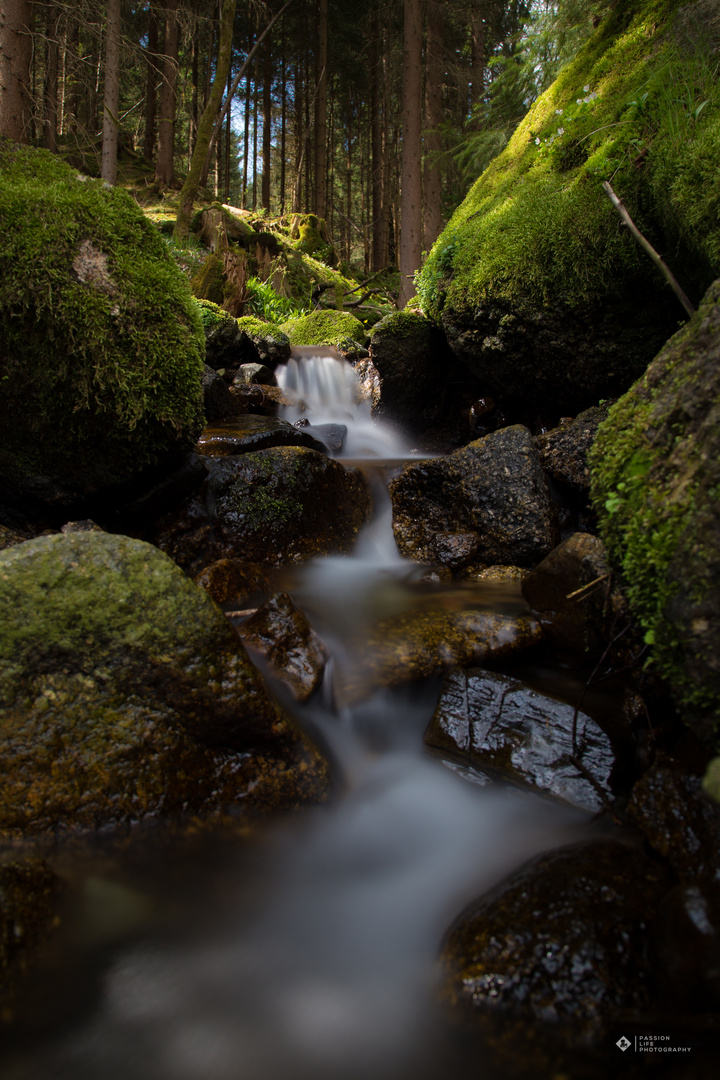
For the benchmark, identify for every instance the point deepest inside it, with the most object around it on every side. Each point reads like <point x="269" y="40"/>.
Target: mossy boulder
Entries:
<point x="540" y="291"/>
<point x="312" y="237"/>
<point x="125" y="694"/>
<point x="656" y="488"/>
<point x="324" y="328"/>
<point x="265" y="342"/>
<point x="409" y="355"/>
<point x="101" y="347"/>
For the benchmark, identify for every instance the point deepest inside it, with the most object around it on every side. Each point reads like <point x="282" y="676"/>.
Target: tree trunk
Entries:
<point x="321" y="112"/>
<point x="432" y="174"/>
<point x="51" y="80"/>
<point x="111" y="101"/>
<point x="411" y="182"/>
<point x="151" y="90"/>
<point x="166" y="119"/>
<point x="477" y="71"/>
<point x="15" y="59"/>
<point x="283" y="119"/>
<point x="207" y="122"/>
<point x="267" y="120"/>
<point x="379" y="225"/>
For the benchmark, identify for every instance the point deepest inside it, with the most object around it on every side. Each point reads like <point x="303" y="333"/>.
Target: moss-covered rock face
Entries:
<point x="101" y="348"/>
<point x="125" y="693"/>
<point x="407" y="351"/>
<point x="539" y="289"/>
<point x="324" y="328"/>
<point x="656" y="488"/>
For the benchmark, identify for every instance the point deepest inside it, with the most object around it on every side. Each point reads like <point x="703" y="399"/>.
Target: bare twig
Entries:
<point x="589" y="585"/>
<point x="647" y="247"/>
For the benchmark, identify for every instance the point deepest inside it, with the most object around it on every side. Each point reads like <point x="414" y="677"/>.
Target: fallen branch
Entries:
<point x="647" y="246"/>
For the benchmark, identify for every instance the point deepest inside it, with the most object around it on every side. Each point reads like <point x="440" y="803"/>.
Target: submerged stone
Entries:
<point x="125" y="693"/>
<point x="495" y="723"/>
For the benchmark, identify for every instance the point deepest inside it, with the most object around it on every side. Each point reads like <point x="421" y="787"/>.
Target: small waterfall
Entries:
<point x="326" y="390"/>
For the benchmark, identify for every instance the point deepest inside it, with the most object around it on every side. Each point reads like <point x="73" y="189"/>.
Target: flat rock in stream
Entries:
<point x="126" y="694"/>
<point x="417" y="645"/>
<point x="245" y="434"/>
<point x="498" y="724"/>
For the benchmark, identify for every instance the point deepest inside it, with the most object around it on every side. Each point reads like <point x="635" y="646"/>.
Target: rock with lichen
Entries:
<point x="125" y="694"/>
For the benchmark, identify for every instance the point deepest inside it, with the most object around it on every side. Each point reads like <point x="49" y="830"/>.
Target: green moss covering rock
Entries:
<point x="101" y="347"/>
<point x="125" y="693"/>
<point x="656" y="487"/>
<point x="324" y="328"/>
<point x="539" y="288"/>
<point x="268" y="342"/>
<point x="411" y="361"/>
<point x="209" y="282"/>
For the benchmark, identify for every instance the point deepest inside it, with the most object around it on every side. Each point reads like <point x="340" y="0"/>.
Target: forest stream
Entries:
<point x="311" y="949"/>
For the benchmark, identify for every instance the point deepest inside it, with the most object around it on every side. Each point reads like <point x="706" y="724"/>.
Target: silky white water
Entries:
<point x="324" y="966"/>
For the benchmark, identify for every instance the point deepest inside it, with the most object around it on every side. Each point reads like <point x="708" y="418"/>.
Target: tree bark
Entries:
<point x="207" y="122"/>
<point x="477" y="71"/>
<point x="111" y="100"/>
<point x="151" y="91"/>
<point x="379" y="223"/>
<point x="432" y="173"/>
<point x="15" y="59"/>
<point x="267" y="120"/>
<point x="411" y="180"/>
<point x="321" y="112"/>
<point x="166" y="118"/>
<point x="50" y="120"/>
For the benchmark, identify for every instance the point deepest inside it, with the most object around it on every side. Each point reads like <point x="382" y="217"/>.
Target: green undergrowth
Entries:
<point x="639" y="107"/>
<point x="324" y="328"/>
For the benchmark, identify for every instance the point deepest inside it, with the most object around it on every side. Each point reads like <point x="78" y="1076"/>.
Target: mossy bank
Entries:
<point x="539" y="288"/>
<point x="101" y="344"/>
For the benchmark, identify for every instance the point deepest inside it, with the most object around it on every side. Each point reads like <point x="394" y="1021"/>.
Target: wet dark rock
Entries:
<point x="254" y="374"/>
<point x="575" y="594"/>
<point x="455" y="550"/>
<point x="494" y="487"/>
<point x="285" y="504"/>
<point x="407" y="351"/>
<point x="223" y="341"/>
<point x="679" y="820"/>
<point x="29" y="901"/>
<point x="245" y="434"/>
<point x="81" y="526"/>
<point x="263" y="343"/>
<point x="686" y="939"/>
<point x="126" y="694"/>
<point x="563" y="358"/>
<point x="218" y="401"/>
<point x="498" y="724"/>
<point x="369" y="382"/>
<point x="564" y="452"/>
<point x="232" y="581"/>
<point x="495" y="575"/>
<point x="258" y="399"/>
<point x="561" y="950"/>
<point x="294" y="653"/>
<point x="418" y="645"/>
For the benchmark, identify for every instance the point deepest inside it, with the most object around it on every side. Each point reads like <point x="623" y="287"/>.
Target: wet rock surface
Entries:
<point x="419" y="645"/>
<point x="493" y="488"/>
<point x="29" y="900"/>
<point x="125" y="693"/>
<point x="575" y="594"/>
<point x="218" y="402"/>
<point x="561" y="950"/>
<point x="281" y="634"/>
<point x="232" y="581"/>
<point x="496" y="723"/>
<point x="244" y="434"/>
<point x="564" y="452"/>
<point x="254" y="374"/>
<point x="406" y="350"/>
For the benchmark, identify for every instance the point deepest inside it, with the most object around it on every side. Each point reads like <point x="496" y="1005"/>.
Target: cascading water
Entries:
<point x="322" y="966"/>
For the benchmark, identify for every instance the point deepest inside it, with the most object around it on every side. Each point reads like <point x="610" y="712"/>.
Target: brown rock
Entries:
<point x="281" y="634"/>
